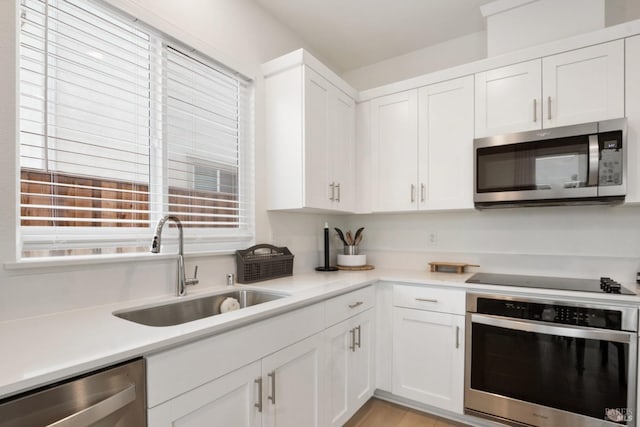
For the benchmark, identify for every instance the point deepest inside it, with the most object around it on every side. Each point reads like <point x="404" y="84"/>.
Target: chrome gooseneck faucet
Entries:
<point x="183" y="282"/>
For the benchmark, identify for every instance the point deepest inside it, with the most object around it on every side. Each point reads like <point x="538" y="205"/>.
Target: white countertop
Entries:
<point x="45" y="349"/>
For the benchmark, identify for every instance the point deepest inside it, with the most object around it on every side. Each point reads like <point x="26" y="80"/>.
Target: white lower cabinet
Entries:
<point x="229" y="401"/>
<point x="281" y="390"/>
<point x="291" y="385"/>
<point x="311" y="367"/>
<point x="428" y="351"/>
<point x="348" y="376"/>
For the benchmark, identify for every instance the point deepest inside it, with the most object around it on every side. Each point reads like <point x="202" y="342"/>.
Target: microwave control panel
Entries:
<point x="610" y="164"/>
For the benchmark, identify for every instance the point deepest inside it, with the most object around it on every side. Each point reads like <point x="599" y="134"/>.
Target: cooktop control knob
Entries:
<point x="609" y="286"/>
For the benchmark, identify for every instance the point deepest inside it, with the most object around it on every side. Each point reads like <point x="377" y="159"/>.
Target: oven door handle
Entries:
<point x="553" y="329"/>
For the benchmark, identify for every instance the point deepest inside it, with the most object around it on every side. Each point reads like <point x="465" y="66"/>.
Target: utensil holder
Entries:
<point x="351" y="249"/>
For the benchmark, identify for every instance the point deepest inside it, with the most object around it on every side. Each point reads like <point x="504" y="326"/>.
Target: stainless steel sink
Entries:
<point x="180" y="312"/>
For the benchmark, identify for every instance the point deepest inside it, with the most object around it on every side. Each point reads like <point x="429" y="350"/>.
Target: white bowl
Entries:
<point x="352" y="260"/>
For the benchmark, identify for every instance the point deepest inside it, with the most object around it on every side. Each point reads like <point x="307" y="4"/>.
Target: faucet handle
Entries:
<point x="194" y="280"/>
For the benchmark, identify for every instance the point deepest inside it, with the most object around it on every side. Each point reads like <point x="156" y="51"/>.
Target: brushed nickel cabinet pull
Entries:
<point x="272" y="398"/>
<point x="457" y="336"/>
<point x="338" y="191"/>
<point x="422" y="192"/>
<point x="332" y="188"/>
<point x="426" y="300"/>
<point x="259" y="404"/>
<point x="356" y="304"/>
<point x="359" y="336"/>
<point x="535" y="110"/>
<point x="413" y="193"/>
<point x="352" y="347"/>
<point x="549" y="108"/>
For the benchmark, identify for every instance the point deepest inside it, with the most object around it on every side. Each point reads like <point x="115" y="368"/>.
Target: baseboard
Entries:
<point x="464" y="419"/>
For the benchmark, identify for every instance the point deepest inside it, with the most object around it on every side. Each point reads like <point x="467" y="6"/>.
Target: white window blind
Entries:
<point x="119" y="126"/>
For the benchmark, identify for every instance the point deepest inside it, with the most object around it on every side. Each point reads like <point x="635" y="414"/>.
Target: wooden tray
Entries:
<point x="358" y="268"/>
<point x="450" y="267"/>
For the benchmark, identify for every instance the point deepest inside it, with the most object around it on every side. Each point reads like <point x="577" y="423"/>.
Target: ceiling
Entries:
<point x="350" y="34"/>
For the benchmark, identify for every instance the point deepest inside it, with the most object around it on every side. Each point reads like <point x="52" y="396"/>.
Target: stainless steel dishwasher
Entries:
<point x="113" y="397"/>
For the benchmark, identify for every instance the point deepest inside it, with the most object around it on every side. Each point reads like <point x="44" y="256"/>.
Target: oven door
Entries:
<point x="544" y="374"/>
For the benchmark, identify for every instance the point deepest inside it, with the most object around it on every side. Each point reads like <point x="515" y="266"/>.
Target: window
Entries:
<point x="120" y="125"/>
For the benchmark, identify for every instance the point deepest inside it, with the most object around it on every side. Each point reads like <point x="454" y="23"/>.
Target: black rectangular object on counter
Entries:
<point x="263" y="262"/>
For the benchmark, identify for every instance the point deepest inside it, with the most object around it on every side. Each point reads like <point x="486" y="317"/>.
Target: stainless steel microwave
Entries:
<point x="570" y="165"/>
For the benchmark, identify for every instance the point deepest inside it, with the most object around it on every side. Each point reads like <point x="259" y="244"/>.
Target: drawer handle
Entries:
<point x="426" y="300"/>
<point x="272" y="398"/>
<point x="356" y="304"/>
<point x="259" y="404"/>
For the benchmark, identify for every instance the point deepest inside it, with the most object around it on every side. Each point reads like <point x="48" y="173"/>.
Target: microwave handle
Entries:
<point x="594" y="161"/>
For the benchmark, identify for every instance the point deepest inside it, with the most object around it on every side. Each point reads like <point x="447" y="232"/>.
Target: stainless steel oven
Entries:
<point x="550" y="363"/>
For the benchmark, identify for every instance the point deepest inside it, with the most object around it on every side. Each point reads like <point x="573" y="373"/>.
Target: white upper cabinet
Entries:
<point x="394" y="141"/>
<point x="445" y="154"/>
<point x="508" y="99"/>
<point x="583" y="85"/>
<point x="422" y="148"/>
<point x="632" y="88"/>
<point x="574" y="87"/>
<point x="342" y="150"/>
<point x="316" y="171"/>
<point x="310" y="137"/>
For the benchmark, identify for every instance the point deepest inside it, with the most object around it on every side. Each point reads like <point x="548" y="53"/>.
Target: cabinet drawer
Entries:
<point x="430" y="299"/>
<point x="347" y="305"/>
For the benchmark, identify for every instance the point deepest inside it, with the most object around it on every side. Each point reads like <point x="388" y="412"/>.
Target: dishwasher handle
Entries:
<point x="100" y="410"/>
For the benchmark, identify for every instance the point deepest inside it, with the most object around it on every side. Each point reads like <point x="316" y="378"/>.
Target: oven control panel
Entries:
<point x="552" y="313"/>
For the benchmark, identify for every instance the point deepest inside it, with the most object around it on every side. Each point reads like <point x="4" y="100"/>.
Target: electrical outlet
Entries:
<point x="432" y="239"/>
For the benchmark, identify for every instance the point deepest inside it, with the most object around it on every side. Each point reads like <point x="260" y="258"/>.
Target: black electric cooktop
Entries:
<point x="602" y="285"/>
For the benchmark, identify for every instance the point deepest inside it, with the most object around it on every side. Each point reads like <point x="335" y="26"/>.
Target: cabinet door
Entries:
<point x="394" y="137"/>
<point x="291" y="392"/>
<point x="348" y="375"/>
<point x="342" y="149"/>
<point x="584" y="85"/>
<point x="508" y="99"/>
<point x="317" y="189"/>
<point x="335" y="377"/>
<point x="445" y="148"/>
<point x="428" y="358"/>
<point x="231" y="400"/>
<point x="632" y="98"/>
<point x="362" y="361"/>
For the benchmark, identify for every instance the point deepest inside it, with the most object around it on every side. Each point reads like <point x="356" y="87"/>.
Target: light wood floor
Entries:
<point x="378" y="413"/>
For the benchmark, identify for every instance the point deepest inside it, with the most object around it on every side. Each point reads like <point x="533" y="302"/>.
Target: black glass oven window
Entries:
<point x="545" y="165"/>
<point x="578" y="375"/>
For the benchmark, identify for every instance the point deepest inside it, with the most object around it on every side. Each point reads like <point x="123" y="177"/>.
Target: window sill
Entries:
<point x="35" y="263"/>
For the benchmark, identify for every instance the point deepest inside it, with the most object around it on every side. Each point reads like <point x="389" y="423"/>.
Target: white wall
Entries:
<point x="619" y="11"/>
<point x="236" y="32"/>
<point x="582" y="241"/>
<point x="513" y="25"/>
<point x="454" y="52"/>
